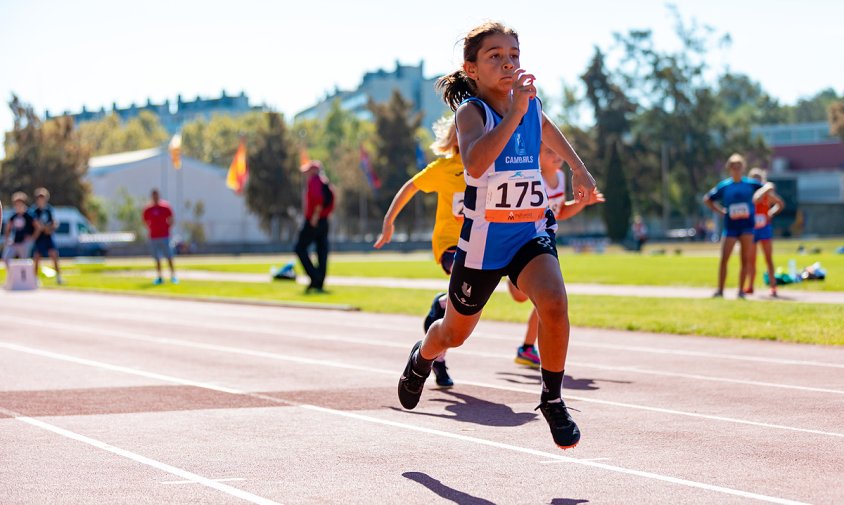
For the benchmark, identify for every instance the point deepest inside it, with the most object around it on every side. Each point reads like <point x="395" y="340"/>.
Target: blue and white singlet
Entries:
<point x="507" y="205"/>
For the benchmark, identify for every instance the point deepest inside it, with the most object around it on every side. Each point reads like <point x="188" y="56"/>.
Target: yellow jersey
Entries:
<point x="445" y="177"/>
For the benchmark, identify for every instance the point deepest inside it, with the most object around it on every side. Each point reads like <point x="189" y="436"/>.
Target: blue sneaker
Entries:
<point x="158" y="281"/>
<point x="174" y="280"/>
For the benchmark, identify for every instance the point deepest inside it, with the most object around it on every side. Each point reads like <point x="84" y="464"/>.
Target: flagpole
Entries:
<point x="362" y="212"/>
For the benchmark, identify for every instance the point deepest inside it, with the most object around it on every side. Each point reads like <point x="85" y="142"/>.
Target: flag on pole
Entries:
<point x="368" y="171"/>
<point x="238" y="171"/>
<point x="421" y="162"/>
<point x="175" y="149"/>
<point x="304" y="157"/>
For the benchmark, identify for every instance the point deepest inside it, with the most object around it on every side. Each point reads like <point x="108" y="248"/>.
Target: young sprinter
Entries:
<point x="550" y="164"/>
<point x="500" y="126"/>
<point x="445" y="177"/>
<point x="45" y="222"/>
<point x="734" y="198"/>
<point x="767" y="206"/>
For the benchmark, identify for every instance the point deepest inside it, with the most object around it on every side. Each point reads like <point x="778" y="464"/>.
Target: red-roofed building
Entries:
<point x="827" y="156"/>
<point x="808" y="162"/>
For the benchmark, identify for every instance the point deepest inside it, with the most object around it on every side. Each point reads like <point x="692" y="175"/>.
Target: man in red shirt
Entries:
<point x="318" y="201"/>
<point x="159" y="218"/>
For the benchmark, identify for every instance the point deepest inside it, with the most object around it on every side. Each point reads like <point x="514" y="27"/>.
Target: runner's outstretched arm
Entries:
<point x="403" y="196"/>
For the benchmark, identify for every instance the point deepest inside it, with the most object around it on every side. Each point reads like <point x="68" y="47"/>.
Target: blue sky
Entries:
<point x="60" y="55"/>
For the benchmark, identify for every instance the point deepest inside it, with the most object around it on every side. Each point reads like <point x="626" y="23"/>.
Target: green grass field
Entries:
<point x="791" y="322"/>
<point x="696" y="266"/>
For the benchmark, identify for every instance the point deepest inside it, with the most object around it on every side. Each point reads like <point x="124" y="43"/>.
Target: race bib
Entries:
<point x="515" y="196"/>
<point x="761" y="220"/>
<point x="739" y="211"/>
<point x="457" y="206"/>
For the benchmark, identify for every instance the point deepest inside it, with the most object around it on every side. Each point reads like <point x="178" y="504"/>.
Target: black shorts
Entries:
<point x="469" y="289"/>
<point x="44" y="244"/>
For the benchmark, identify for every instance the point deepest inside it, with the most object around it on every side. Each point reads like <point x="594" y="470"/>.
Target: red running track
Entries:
<point x="108" y="399"/>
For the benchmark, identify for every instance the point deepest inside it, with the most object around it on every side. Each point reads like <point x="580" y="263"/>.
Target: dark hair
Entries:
<point x="457" y="86"/>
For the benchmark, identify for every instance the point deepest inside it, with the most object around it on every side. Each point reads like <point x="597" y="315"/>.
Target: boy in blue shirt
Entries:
<point x="734" y="198"/>
<point x="44" y="219"/>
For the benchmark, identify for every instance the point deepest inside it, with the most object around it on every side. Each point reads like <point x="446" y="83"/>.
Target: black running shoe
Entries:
<point x="411" y="383"/>
<point x="565" y="432"/>
<point x="436" y="312"/>
<point x="441" y="373"/>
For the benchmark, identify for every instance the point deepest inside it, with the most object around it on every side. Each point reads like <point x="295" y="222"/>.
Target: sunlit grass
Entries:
<point x="782" y="321"/>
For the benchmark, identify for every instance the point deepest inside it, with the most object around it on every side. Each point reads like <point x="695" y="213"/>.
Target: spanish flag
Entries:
<point x="238" y="171"/>
<point x="175" y="149"/>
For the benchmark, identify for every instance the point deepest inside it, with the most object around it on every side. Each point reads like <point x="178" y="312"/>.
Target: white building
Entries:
<point x="226" y="218"/>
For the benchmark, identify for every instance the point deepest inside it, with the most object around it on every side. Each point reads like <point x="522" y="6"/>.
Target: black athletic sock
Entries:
<point x="421" y="365"/>
<point x="552" y="385"/>
<point x="525" y="347"/>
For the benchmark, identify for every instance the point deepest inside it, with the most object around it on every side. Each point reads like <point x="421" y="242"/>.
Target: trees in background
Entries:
<point x="617" y="210"/>
<point x="394" y="157"/>
<point x="836" y="119"/>
<point x="671" y="126"/>
<point x="273" y="189"/>
<point x="337" y="141"/>
<point x="109" y="135"/>
<point x="215" y="140"/>
<point x="48" y="154"/>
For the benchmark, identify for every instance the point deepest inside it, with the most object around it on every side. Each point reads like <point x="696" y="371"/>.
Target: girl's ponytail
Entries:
<point x="455" y="88"/>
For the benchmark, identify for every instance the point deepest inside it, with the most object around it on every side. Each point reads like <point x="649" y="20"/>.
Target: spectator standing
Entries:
<point x="318" y="203"/>
<point x="19" y="231"/>
<point x="44" y="220"/>
<point x="159" y="218"/>
<point x="640" y="232"/>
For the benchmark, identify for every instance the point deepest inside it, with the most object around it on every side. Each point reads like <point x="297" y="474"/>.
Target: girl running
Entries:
<point x="734" y="198"/>
<point x="500" y="127"/>
<point x="550" y="164"/>
<point x="767" y="206"/>
<point x="445" y="177"/>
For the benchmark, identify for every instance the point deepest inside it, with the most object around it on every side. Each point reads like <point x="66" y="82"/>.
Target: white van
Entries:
<point x="75" y="235"/>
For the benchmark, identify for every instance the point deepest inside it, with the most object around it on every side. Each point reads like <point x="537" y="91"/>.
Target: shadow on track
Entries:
<point x="469" y="409"/>
<point x="444" y="491"/>
<point x="569" y="382"/>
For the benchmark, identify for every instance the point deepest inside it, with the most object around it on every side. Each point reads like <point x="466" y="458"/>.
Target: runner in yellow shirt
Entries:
<point x="445" y="177"/>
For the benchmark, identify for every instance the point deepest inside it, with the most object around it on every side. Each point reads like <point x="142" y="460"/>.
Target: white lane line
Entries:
<point x="664" y="411"/>
<point x="115" y="368"/>
<point x="180" y="482"/>
<point x="710" y="378"/>
<point x="292" y="315"/>
<point x="557" y="457"/>
<point x="381" y="371"/>
<point x="704" y="354"/>
<point x="164" y="467"/>
<point x="552" y="462"/>
<point x="480" y="441"/>
<point x="302" y="335"/>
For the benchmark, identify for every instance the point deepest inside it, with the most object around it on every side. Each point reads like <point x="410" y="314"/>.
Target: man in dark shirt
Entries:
<point x="19" y="231"/>
<point x="315" y="228"/>
<point x="44" y="220"/>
